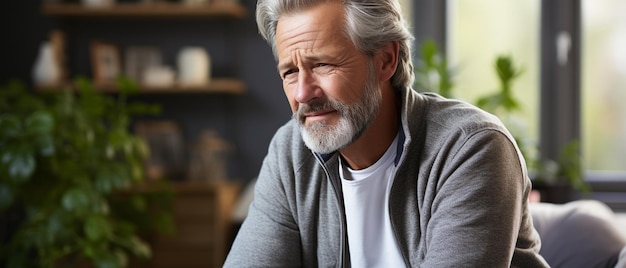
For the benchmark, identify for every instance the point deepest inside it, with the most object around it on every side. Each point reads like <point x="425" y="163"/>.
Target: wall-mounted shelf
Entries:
<point x="217" y="86"/>
<point x="137" y="10"/>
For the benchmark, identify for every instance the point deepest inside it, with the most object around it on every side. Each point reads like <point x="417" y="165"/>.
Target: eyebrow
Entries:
<point x="287" y="64"/>
<point x="284" y="65"/>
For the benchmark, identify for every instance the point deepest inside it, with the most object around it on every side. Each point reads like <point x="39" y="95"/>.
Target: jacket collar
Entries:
<point x="407" y="97"/>
<point x="399" y="150"/>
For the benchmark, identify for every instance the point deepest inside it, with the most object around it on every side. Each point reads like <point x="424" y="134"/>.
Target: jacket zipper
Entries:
<point x="395" y="228"/>
<point x="342" y="219"/>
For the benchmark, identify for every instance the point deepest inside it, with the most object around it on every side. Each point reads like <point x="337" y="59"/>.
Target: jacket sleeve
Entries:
<point x="478" y="212"/>
<point x="269" y="236"/>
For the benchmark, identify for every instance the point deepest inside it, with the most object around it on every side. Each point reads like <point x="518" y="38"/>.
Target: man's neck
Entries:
<point x="373" y="143"/>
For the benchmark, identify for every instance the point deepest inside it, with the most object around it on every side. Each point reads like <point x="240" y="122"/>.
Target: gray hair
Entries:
<point x="370" y="24"/>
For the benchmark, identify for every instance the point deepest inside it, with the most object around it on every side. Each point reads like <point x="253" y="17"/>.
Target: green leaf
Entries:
<point x="39" y="123"/>
<point x="105" y="258"/>
<point x="137" y="171"/>
<point x="105" y="181"/>
<point x="46" y="145"/>
<point x="144" y="109"/>
<point x="10" y="126"/>
<point x="127" y="85"/>
<point x="56" y="227"/>
<point x="17" y="261"/>
<point x="140" y="248"/>
<point x="40" y="126"/>
<point x="118" y="175"/>
<point x="118" y="137"/>
<point x="6" y="196"/>
<point x="139" y="203"/>
<point x="97" y="228"/>
<point x="75" y="199"/>
<point x="6" y="157"/>
<point x="21" y="165"/>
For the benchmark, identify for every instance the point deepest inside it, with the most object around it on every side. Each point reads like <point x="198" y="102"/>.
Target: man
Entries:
<point x="369" y="173"/>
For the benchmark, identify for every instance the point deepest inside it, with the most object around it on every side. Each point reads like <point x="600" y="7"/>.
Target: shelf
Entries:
<point x="186" y="186"/>
<point x="217" y="86"/>
<point x="136" y="10"/>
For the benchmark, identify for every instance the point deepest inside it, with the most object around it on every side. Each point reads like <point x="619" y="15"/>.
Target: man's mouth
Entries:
<point x="319" y="113"/>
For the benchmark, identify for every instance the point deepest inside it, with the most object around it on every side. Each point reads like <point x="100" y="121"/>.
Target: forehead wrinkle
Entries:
<point x="298" y="44"/>
<point x="300" y="37"/>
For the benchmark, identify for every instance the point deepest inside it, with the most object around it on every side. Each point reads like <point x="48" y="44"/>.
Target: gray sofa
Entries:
<point x="580" y="233"/>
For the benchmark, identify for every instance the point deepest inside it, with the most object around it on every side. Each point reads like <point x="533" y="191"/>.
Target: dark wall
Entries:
<point x="236" y="50"/>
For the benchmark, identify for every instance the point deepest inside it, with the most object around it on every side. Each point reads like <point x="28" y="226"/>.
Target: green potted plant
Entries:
<point x="64" y="158"/>
<point x="555" y="179"/>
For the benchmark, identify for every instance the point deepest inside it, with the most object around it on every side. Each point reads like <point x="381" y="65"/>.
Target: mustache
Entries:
<point x="317" y="106"/>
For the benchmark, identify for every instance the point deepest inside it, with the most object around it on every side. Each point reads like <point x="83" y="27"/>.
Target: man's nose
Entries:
<point x="307" y="88"/>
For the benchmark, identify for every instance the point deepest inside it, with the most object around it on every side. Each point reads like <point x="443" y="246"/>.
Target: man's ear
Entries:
<point x="387" y="60"/>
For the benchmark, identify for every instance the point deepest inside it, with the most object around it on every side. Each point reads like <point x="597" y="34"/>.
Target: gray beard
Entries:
<point x="354" y="119"/>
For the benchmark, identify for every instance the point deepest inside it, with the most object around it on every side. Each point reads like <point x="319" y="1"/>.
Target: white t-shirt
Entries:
<point x="366" y="196"/>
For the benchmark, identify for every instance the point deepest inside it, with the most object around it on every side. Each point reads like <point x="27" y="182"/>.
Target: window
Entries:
<point x="604" y="85"/>
<point x="479" y="31"/>
<point x="581" y="99"/>
<point x="406" y="10"/>
<point x="566" y="97"/>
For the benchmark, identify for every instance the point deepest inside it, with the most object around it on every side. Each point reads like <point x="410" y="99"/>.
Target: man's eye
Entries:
<point x="289" y="72"/>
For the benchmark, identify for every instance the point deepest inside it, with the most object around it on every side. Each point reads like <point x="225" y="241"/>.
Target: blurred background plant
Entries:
<point x="432" y="74"/>
<point x="67" y="166"/>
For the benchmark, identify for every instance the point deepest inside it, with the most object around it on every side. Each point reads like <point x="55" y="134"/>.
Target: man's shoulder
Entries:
<point x="287" y="145"/>
<point x="457" y="114"/>
<point x="286" y="134"/>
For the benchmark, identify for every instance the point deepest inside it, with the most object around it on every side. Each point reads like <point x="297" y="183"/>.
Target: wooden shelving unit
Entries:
<point x="202" y="214"/>
<point x="139" y="10"/>
<point x="217" y="86"/>
<point x="216" y="9"/>
<point x="202" y="210"/>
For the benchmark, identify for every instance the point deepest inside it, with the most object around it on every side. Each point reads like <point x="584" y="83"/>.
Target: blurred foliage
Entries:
<point x="434" y="75"/>
<point x="64" y="158"/>
<point x="432" y="72"/>
<point x="568" y="166"/>
<point x="503" y="99"/>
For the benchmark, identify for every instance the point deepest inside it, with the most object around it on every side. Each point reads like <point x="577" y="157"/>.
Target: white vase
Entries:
<point x="194" y="66"/>
<point x="46" y="70"/>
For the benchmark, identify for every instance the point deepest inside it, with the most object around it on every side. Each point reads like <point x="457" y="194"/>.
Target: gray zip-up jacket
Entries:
<point x="459" y="198"/>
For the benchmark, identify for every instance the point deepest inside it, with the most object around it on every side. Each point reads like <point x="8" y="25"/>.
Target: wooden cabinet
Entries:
<point x="204" y="230"/>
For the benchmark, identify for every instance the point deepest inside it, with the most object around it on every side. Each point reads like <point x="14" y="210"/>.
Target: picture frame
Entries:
<point x="139" y="59"/>
<point x="58" y="41"/>
<point x="105" y="62"/>
<point x="166" y="145"/>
